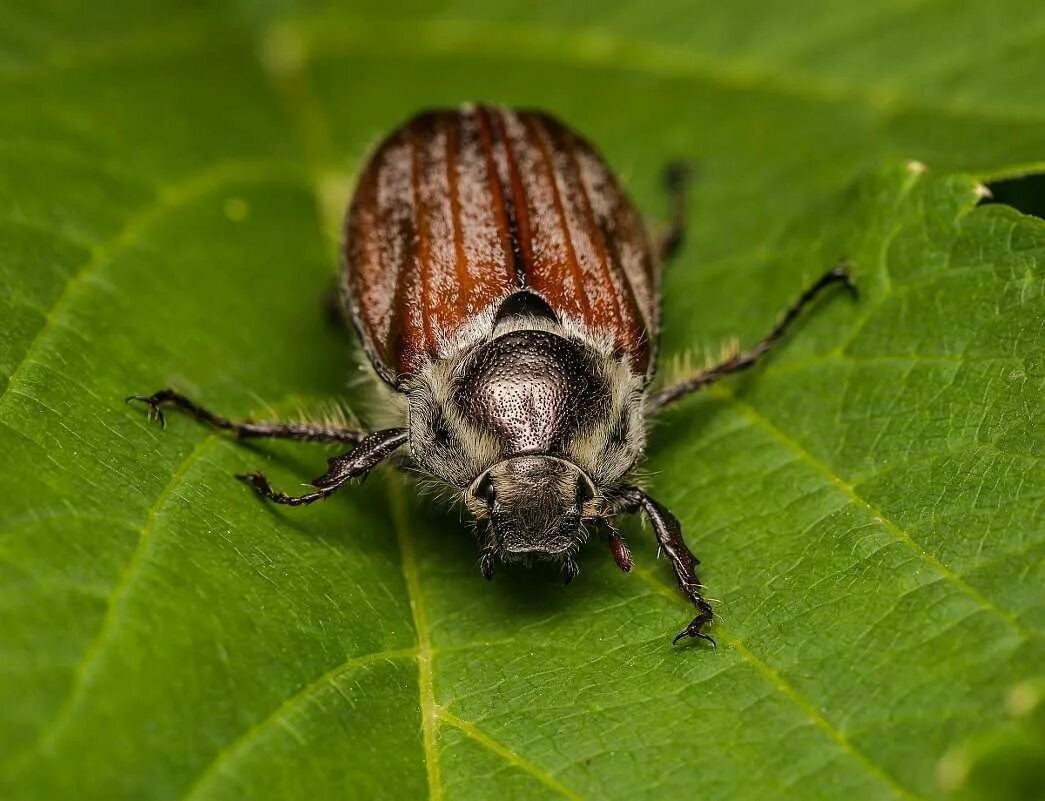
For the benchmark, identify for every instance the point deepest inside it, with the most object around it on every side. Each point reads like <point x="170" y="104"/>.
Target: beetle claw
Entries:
<point x="694" y="630"/>
<point x="696" y="626"/>
<point x="841" y="274"/>
<point x="153" y="411"/>
<point x="257" y="482"/>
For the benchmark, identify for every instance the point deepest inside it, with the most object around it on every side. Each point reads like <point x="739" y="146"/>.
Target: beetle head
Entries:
<point x="534" y="505"/>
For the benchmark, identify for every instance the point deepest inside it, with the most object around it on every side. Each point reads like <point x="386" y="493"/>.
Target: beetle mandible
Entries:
<point x="507" y="294"/>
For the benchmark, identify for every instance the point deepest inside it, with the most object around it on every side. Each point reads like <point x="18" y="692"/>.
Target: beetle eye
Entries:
<point x="485" y="492"/>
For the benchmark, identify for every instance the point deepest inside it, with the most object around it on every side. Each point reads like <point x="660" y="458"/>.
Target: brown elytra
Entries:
<point x="458" y="209"/>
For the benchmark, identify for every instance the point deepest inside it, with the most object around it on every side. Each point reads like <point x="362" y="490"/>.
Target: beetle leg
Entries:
<point x="669" y="537"/>
<point x="677" y="177"/>
<point x="742" y="361"/>
<point x="618" y="547"/>
<point x="303" y="432"/>
<point x="358" y="462"/>
<point x="261" y="486"/>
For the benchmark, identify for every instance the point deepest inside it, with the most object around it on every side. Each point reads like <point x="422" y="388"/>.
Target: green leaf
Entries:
<point x="1007" y="762"/>
<point x="867" y="504"/>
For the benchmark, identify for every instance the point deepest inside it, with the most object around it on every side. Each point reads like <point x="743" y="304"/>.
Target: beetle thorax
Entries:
<point x="529" y="389"/>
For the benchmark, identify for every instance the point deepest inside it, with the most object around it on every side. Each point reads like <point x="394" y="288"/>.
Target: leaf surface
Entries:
<point x="867" y="505"/>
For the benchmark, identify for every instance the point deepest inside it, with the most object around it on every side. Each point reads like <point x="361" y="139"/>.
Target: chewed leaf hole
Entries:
<point x="1025" y="194"/>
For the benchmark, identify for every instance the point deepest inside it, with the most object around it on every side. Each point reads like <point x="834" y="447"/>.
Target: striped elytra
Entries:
<point x="458" y="209"/>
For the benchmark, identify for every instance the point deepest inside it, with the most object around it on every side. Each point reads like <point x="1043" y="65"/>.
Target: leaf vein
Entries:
<point x="425" y="655"/>
<point x="116" y="599"/>
<point x="847" y="489"/>
<point x="169" y="198"/>
<point x="473" y="732"/>
<point x="785" y="688"/>
<point x="278" y="716"/>
<point x="602" y="50"/>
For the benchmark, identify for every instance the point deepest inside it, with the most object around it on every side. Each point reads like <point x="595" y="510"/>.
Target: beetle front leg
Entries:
<point x="669" y="537"/>
<point x="356" y="463"/>
<point x="302" y="432"/>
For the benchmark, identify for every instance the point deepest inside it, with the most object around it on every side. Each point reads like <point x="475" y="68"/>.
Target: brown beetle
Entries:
<point x="506" y="293"/>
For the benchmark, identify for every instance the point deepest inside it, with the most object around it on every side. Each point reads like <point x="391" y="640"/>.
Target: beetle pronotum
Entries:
<point x="507" y="293"/>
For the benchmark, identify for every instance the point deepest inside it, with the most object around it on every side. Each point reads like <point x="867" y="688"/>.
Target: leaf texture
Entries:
<point x="867" y="505"/>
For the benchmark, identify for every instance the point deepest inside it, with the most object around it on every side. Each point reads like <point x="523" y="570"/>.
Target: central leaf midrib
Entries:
<point x="418" y="611"/>
<point x="432" y="713"/>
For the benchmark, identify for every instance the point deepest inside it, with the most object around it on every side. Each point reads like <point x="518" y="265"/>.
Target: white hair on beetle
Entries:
<point x="443" y="442"/>
<point x="446" y="446"/>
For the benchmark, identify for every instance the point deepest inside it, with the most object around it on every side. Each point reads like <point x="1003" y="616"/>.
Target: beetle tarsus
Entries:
<point x="263" y="489"/>
<point x="742" y="361"/>
<point x="840" y="273"/>
<point x="153" y="411"/>
<point x="302" y="432"/>
<point x="693" y="631"/>
<point x="696" y="627"/>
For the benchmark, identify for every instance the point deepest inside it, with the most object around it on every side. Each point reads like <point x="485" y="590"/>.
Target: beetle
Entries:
<point x="507" y="296"/>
